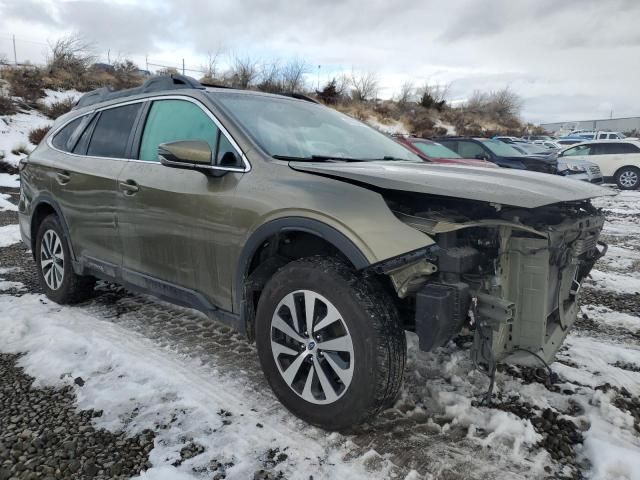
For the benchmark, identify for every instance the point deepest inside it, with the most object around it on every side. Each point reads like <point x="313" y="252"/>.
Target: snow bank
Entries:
<point x="11" y="181"/>
<point x="124" y="371"/>
<point x="5" y="204"/>
<point x="9" y="234"/>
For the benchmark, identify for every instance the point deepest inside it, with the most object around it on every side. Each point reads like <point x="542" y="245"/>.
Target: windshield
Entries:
<point x="501" y="149"/>
<point x="435" y="150"/>
<point x="291" y="128"/>
<point x="534" y="149"/>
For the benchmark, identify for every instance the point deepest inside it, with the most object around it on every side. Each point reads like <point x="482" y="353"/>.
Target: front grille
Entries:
<point x="585" y="244"/>
<point x="595" y="171"/>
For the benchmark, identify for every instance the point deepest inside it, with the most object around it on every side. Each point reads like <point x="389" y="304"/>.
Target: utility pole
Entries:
<point x="15" y="55"/>
<point x="318" y="77"/>
<point x="109" y="56"/>
<point x="183" y="66"/>
<point x="146" y="61"/>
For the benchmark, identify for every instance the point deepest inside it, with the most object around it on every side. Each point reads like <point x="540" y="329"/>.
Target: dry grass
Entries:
<point x="56" y="109"/>
<point x="21" y="149"/>
<point x="7" y="106"/>
<point x="37" y="134"/>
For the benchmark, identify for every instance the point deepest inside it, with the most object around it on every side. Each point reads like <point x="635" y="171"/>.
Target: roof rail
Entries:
<point x="154" y="84"/>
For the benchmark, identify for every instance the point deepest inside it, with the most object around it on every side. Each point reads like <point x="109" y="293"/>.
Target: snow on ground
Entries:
<point x="390" y="128"/>
<point x="143" y="371"/>
<point x="11" y="181"/>
<point x="9" y="234"/>
<point x="124" y="371"/>
<point x="14" y="129"/>
<point x="5" y="204"/>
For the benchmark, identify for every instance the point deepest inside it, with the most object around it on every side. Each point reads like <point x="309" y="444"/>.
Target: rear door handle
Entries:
<point x="129" y="187"/>
<point x="63" y="177"/>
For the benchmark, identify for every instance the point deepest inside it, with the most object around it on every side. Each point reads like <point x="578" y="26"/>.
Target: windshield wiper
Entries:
<point x="317" y="158"/>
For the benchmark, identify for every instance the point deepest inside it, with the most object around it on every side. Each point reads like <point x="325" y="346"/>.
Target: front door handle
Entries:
<point x="129" y="187"/>
<point x="63" y="177"/>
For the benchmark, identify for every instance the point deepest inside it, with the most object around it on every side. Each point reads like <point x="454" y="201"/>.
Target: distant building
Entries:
<point x="630" y="124"/>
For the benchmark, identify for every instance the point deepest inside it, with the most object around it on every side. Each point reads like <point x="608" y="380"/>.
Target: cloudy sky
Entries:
<point x="568" y="59"/>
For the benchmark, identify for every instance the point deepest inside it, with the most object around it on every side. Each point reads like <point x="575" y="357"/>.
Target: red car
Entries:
<point x="431" y="151"/>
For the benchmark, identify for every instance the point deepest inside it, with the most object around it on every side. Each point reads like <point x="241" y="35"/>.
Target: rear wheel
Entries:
<point x="628" y="178"/>
<point x="55" y="271"/>
<point x="330" y="343"/>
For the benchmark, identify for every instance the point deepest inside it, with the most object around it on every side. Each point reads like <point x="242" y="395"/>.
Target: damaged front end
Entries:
<point x="511" y="275"/>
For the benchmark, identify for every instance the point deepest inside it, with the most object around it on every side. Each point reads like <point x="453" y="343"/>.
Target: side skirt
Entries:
<point x="145" y="284"/>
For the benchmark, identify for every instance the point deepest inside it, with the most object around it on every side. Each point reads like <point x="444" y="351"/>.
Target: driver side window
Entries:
<point x="576" y="151"/>
<point x="470" y="150"/>
<point x="175" y="120"/>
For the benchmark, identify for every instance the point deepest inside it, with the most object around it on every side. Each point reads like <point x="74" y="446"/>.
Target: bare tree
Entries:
<point x="406" y="93"/>
<point x="243" y="71"/>
<point x="211" y="67"/>
<point x="72" y="54"/>
<point x="433" y="96"/>
<point x="293" y="75"/>
<point x="364" y="86"/>
<point x="499" y="104"/>
<point x="270" y="77"/>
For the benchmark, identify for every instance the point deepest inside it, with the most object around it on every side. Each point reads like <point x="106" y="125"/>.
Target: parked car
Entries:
<point x="510" y="139"/>
<point x="550" y="144"/>
<point x="597" y="135"/>
<point x="564" y="141"/>
<point x="619" y="160"/>
<point x="533" y="138"/>
<point x="315" y="235"/>
<point x="434" y="152"/>
<point x="579" y="169"/>
<point x="533" y="150"/>
<point x="497" y="152"/>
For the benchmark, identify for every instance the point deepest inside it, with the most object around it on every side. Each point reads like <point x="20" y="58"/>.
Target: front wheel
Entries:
<point x="330" y="342"/>
<point x="628" y="178"/>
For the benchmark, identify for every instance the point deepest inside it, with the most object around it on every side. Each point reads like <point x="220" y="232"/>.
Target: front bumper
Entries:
<point x="591" y="175"/>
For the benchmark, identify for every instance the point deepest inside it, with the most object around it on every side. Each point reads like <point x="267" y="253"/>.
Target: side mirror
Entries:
<point x="188" y="154"/>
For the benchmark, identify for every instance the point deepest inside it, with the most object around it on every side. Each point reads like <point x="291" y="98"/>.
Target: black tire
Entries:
<point x="72" y="288"/>
<point x="628" y="178"/>
<point x="378" y="340"/>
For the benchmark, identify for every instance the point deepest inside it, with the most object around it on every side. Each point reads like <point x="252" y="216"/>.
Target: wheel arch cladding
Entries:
<point x="273" y="229"/>
<point x="43" y="208"/>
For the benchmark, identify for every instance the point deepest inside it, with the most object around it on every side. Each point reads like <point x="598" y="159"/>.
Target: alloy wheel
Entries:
<point x="628" y="179"/>
<point x="312" y="347"/>
<point x="52" y="259"/>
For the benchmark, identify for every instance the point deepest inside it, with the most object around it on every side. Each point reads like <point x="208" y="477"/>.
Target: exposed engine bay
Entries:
<point x="511" y="275"/>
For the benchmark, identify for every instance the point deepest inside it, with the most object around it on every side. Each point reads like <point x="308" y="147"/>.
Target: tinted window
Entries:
<point x="615" y="148"/>
<point x="579" y="150"/>
<point x="172" y="121"/>
<point x="61" y="138"/>
<point x="111" y="134"/>
<point x="472" y="150"/>
<point x="83" y="141"/>
<point x="435" y="150"/>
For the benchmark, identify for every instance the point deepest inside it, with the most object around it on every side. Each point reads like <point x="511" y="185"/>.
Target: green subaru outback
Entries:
<point x="313" y="234"/>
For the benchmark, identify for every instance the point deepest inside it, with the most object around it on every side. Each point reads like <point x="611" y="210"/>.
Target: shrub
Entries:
<point x="7" y="167"/>
<point x="57" y="109"/>
<point x="7" y="106"/>
<point x="37" y="134"/>
<point x="21" y="149"/>
<point x="26" y="82"/>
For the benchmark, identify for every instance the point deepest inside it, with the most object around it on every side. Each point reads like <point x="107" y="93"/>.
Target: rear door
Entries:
<point x="85" y="184"/>
<point x="611" y="156"/>
<point x="174" y="222"/>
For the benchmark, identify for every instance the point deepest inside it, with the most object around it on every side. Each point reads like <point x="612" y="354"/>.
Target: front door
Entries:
<point x="85" y="186"/>
<point x="174" y="222"/>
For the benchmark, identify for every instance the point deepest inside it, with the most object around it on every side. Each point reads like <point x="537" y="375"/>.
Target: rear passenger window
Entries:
<point x="83" y="141"/>
<point x="111" y="134"/>
<point x="172" y="121"/>
<point x="61" y="139"/>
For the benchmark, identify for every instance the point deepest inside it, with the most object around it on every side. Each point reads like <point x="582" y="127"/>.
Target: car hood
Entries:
<point x="464" y="161"/>
<point x="517" y="188"/>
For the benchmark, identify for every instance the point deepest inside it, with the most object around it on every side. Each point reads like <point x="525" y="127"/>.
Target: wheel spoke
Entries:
<point x="279" y="349"/>
<point x="279" y="324"/>
<point x="327" y="388"/>
<point x="309" y="309"/>
<point x="289" y="302"/>
<point x="57" y="246"/>
<point x="345" y="374"/>
<point x="332" y="316"/>
<point x="46" y="262"/>
<point x="340" y="344"/>
<point x="290" y="373"/>
<point x="306" y="391"/>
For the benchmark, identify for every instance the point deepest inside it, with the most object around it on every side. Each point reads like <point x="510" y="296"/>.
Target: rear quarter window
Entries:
<point x="61" y="138"/>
